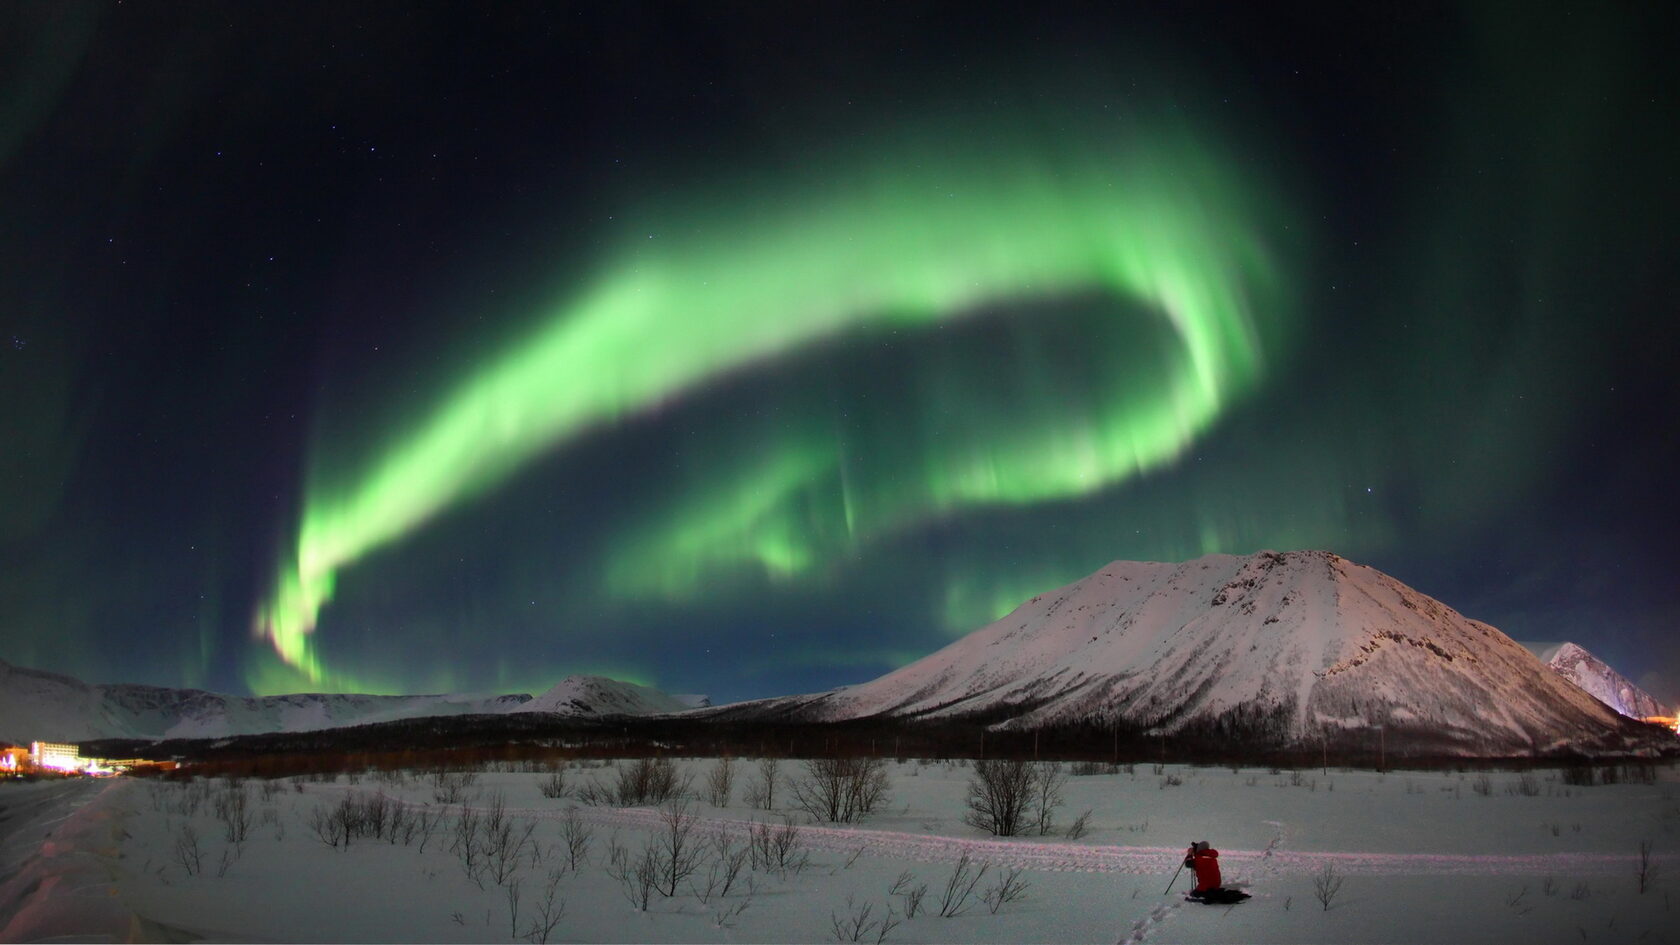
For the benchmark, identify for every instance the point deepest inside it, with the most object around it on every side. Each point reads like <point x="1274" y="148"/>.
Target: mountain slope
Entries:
<point x="1273" y="648"/>
<point x="1592" y="674"/>
<point x="598" y="695"/>
<point x="37" y="705"/>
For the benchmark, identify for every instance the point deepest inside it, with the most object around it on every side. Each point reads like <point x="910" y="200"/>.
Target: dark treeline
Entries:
<point x="471" y="740"/>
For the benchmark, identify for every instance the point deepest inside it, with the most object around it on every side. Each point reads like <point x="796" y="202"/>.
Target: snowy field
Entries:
<point x="1411" y="856"/>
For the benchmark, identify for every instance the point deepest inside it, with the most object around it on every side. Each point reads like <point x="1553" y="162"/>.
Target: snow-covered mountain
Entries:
<point x="598" y="695"/>
<point x="38" y="705"/>
<point x="1270" y="647"/>
<point x="1575" y="664"/>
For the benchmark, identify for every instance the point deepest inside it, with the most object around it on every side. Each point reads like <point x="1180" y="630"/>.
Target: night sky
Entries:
<point x="751" y="349"/>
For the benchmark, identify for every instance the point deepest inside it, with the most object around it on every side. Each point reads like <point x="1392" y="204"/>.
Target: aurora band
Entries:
<point x="907" y="240"/>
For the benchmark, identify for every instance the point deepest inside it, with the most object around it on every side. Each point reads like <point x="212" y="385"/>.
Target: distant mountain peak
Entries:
<point x="1574" y="663"/>
<point x="600" y="695"/>
<point x="1272" y="647"/>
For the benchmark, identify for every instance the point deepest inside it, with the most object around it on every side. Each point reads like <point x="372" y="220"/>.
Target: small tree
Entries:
<point x="720" y="782"/>
<point x="1008" y="797"/>
<point x="1326" y="885"/>
<point x="763" y="793"/>
<point x="998" y="795"/>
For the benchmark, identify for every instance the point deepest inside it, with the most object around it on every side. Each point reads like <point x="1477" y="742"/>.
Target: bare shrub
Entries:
<point x="1084" y="769"/>
<point x="678" y="848"/>
<point x="958" y="893"/>
<point x="324" y="821"/>
<point x="464" y="843"/>
<point x="233" y="809"/>
<point x="452" y="787"/>
<point x="550" y="910"/>
<point x="1326" y="884"/>
<point x="841" y="790"/>
<point x="645" y="781"/>
<point x="637" y="876"/>
<point x="998" y="795"/>
<point x="1171" y="780"/>
<point x="554" y="785"/>
<point x="777" y="848"/>
<point x="1525" y="786"/>
<point x="1009" y="887"/>
<point x="1080" y="826"/>
<point x="911" y="892"/>
<point x="1483" y="785"/>
<point x="762" y="793"/>
<point x="1647" y="869"/>
<point x="856" y="925"/>
<point x="1048" y="782"/>
<point x="575" y="838"/>
<point x="187" y="851"/>
<point x="720" y="782"/>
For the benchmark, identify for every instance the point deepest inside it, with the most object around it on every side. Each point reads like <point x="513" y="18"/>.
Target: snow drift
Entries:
<point x="1269" y="648"/>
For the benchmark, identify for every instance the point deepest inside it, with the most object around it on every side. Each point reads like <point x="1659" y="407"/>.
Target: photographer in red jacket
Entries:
<point x="1204" y="859"/>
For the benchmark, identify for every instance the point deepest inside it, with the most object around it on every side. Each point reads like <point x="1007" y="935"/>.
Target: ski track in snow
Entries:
<point x="1061" y="857"/>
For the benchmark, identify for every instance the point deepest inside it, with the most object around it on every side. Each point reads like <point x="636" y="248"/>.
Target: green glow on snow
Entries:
<point x="910" y="241"/>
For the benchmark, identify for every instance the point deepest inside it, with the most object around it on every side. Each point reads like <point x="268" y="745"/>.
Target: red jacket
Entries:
<point x="1206" y="865"/>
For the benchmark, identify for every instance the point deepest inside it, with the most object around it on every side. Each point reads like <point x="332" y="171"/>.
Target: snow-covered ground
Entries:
<point x="1422" y="856"/>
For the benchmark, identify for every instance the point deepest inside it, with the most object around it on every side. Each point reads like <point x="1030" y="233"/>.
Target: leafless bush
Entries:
<point x="575" y="838"/>
<point x="550" y="910"/>
<point x="911" y="892"/>
<point x="554" y="786"/>
<point x="762" y="793"/>
<point x="1083" y="769"/>
<point x="464" y="843"/>
<point x="637" y="876"/>
<point x="1525" y="786"/>
<point x="678" y="848"/>
<point x="595" y="794"/>
<point x="857" y="926"/>
<point x="1080" y="826"/>
<point x="324" y="821"/>
<point x="510" y="892"/>
<point x="959" y="888"/>
<point x="724" y="869"/>
<point x="841" y="790"/>
<point x="1010" y="887"/>
<point x="1647" y="869"/>
<point x="452" y="787"/>
<point x="720" y="782"/>
<point x="1326" y="884"/>
<point x="640" y="782"/>
<point x="1516" y="901"/>
<point x="187" y="850"/>
<point x="779" y="848"/>
<point x="1048" y="782"/>
<point x="233" y="809"/>
<point x="1483" y="785"/>
<point x="1171" y="780"/>
<point x="998" y="795"/>
<point x="270" y="789"/>
<point x="726" y="915"/>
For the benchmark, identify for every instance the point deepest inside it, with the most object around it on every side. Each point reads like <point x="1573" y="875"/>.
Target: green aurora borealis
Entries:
<point x="745" y="352"/>
<point x="761" y="276"/>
